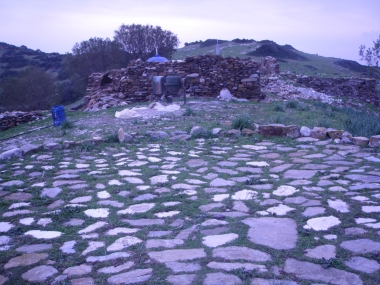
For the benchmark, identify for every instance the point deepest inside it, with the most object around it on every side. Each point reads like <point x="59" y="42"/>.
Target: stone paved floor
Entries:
<point x="208" y="213"/>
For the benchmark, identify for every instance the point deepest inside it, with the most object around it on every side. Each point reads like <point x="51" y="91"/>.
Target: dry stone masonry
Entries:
<point x="15" y="118"/>
<point x="208" y="75"/>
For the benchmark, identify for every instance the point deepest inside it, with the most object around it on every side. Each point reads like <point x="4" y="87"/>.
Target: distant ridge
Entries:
<point x="14" y="59"/>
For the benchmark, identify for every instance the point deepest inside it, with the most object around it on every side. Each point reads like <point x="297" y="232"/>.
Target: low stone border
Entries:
<point x="279" y="130"/>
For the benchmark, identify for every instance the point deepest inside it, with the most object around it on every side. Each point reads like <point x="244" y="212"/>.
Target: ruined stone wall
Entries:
<point x="208" y="75"/>
<point x="15" y="118"/>
<point x="350" y="89"/>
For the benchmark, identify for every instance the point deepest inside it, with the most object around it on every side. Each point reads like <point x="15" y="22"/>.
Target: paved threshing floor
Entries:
<point x="210" y="213"/>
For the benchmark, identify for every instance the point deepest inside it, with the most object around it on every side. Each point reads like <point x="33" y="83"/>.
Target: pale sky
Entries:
<point x="332" y="28"/>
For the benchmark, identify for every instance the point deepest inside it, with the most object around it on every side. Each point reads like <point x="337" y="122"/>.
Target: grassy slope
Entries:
<point x="316" y="65"/>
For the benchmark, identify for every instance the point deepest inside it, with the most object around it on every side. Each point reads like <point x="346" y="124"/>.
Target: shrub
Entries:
<point x="112" y="138"/>
<point x="360" y="123"/>
<point x="292" y="104"/>
<point x="67" y="125"/>
<point x="241" y="122"/>
<point x="189" y="112"/>
<point x="32" y="89"/>
<point x="279" y="108"/>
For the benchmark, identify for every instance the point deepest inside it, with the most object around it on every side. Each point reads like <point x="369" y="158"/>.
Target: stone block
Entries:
<point x="318" y="133"/>
<point x="360" y="141"/>
<point x="374" y="141"/>
<point x="278" y="130"/>
<point x="334" y="134"/>
<point x="293" y="131"/>
<point x="305" y="131"/>
<point x="16" y="152"/>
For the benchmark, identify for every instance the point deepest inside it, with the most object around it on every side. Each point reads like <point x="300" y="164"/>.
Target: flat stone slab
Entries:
<point x="285" y="190"/>
<point x="280" y="210"/>
<point x="277" y="233"/>
<point x="313" y="211"/>
<point x="299" y="174"/>
<point x="116" y="269"/>
<point x="97" y="213"/>
<point x="43" y="234"/>
<point x="181" y="279"/>
<point x="371" y="209"/>
<point x="177" y="267"/>
<point x="314" y="272"/>
<point x="244" y="195"/>
<point x="326" y="251"/>
<point x="19" y="196"/>
<point x="360" y="246"/>
<point x="339" y="205"/>
<point x="363" y="178"/>
<point x="50" y="192"/>
<point x="167" y="243"/>
<point x="25" y="260"/>
<point x="108" y="257"/>
<point x="177" y="254"/>
<point x="241" y="253"/>
<point x="145" y="222"/>
<point x="221" y="278"/>
<point x="39" y="273"/>
<point x="123" y="242"/>
<point x="322" y="223"/>
<point x="137" y="208"/>
<point x="363" y="264"/>
<point x="131" y="277"/>
<point x="217" y="240"/>
<point x="12" y="183"/>
<point x="78" y="270"/>
<point x="231" y="266"/>
<point x="219" y="182"/>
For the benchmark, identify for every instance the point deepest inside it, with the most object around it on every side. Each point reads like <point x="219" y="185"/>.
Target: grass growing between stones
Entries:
<point x="189" y="164"/>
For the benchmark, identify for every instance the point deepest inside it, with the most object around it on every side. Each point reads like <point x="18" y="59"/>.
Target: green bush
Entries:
<point x="189" y="112"/>
<point x="292" y="104"/>
<point x="279" y="108"/>
<point x="112" y="138"/>
<point x="360" y="123"/>
<point x="32" y="89"/>
<point x="241" y="122"/>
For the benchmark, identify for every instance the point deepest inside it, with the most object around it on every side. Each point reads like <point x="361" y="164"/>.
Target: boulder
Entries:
<point x="374" y="141"/>
<point x="318" y="133"/>
<point x="278" y="130"/>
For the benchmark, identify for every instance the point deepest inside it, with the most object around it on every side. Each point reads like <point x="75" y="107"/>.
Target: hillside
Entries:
<point x="290" y="59"/>
<point x="14" y="59"/>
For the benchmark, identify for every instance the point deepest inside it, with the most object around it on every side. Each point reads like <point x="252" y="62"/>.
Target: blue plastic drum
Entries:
<point x="58" y="113"/>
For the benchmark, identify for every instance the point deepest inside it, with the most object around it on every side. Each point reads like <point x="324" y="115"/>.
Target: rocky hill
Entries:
<point x="290" y="59"/>
<point x="14" y="59"/>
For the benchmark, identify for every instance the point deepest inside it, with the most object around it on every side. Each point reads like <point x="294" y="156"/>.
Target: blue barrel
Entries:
<point x="59" y="116"/>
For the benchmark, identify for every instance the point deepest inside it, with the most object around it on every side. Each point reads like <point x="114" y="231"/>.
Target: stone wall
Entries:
<point x="15" y="118"/>
<point x="208" y="74"/>
<point x="350" y="89"/>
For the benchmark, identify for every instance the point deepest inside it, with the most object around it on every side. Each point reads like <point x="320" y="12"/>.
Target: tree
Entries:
<point x="141" y="41"/>
<point x="87" y="57"/>
<point x="95" y="55"/>
<point x="371" y="55"/>
<point x="32" y="89"/>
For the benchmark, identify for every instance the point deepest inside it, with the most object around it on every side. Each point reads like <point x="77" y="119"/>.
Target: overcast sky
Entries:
<point x="333" y="28"/>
